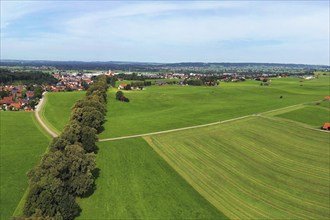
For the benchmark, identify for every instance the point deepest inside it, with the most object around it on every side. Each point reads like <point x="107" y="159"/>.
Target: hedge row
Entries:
<point x="66" y="170"/>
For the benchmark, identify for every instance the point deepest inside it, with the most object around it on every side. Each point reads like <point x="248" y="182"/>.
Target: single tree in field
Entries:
<point x="119" y="94"/>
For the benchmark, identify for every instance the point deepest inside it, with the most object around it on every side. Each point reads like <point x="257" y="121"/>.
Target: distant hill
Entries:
<point x="147" y="66"/>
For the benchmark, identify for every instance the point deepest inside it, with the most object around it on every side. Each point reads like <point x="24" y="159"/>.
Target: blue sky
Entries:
<point x="169" y="31"/>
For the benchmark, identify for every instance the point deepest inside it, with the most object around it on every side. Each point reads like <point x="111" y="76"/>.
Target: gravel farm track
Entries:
<point x="53" y="134"/>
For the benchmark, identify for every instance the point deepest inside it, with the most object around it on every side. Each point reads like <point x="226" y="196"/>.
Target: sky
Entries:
<point x="166" y="31"/>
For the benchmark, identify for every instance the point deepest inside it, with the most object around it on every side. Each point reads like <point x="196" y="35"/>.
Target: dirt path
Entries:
<point x="173" y="130"/>
<point x="36" y="112"/>
<point x="288" y="108"/>
<point x="53" y="134"/>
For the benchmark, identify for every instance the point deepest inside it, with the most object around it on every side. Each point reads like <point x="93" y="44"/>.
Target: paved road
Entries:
<point x="37" y="111"/>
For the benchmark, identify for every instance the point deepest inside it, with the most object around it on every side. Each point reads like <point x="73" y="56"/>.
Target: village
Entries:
<point x="15" y="97"/>
<point x="26" y="97"/>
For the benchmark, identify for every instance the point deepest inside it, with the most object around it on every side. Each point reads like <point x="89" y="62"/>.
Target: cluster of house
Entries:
<point x="67" y="81"/>
<point x="18" y="98"/>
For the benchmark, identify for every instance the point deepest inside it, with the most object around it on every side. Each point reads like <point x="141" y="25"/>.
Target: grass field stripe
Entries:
<point x="228" y="192"/>
<point x="191" y="181"/>
<point x="242" y="189"/>
<point x="283" y="193"/>
<point x="237" y="172"/>
<point x="274" y="189"/>
<point x="289" y="168"/>
<point x="292" y="197"/>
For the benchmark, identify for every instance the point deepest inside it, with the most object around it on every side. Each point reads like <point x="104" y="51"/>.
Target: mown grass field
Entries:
<point x="311" y="115"/>
<point x="57" y="109"/>
<point x="22" y="143"/>
<point x="166" y="107"/>
<point x="135" y="183"/>
<point x="254" y="168"/>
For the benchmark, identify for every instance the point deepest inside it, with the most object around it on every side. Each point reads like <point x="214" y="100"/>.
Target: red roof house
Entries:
<point x="8" y="100"/>
<point x="16" y="105"/>
<point x="29" y="94"/>
<point x="122" y="86"/>
<point x="326" y="126"/>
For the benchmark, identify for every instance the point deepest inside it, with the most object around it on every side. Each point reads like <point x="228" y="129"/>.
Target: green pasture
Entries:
<point x="135" y="183"/>
<point x="22" y="142"/>
<point x="314" y="116"/>
<point x="57" y="109"/>
<point x="254" y="168"/>
<point x="172" y="106"/>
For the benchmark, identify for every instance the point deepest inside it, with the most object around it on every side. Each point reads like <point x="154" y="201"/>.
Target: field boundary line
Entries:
<point x="53" y="134"/>
<point x="41" y="122"/>
<point x="292" y="121"/>
<point x="200" y="126"/>
<point x="176" y="129"/>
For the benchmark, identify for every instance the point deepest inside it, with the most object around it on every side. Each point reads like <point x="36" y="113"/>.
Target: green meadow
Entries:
<point x="57" y="109"/>
<point x="311" y="115"/>
<point x="135" y="183"/>
<point x="261" y="167"/>
<point x="22" y="143"/>
<point x="171" y="106"/>
<point x="254" y="168"/>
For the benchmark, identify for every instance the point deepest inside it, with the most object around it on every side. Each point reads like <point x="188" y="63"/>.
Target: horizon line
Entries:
<point x="154" y="62"/>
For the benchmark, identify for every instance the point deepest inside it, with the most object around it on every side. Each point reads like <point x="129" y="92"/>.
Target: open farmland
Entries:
<point x="135" y="183"/>
<point x="22" y="143"/>
<point x="254" y="168"/>
<point x="166" y="107"/>
<point x="311" y="115"/>
<point x="251" y="168"/>
<point x="57" y="109"/>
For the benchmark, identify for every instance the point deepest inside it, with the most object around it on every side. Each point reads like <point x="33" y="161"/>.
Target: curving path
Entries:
<point x="53" y="134"/>
<point x="36" y="112"/>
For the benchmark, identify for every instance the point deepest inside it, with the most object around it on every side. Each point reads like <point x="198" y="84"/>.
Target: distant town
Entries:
<point x="22" y="83"/>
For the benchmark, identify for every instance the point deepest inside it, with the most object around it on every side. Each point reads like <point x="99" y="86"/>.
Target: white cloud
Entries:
<point x="178" y="30"/>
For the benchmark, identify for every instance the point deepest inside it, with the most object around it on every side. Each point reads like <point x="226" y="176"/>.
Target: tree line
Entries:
<point x="26" y="77"/>
<point x="68" y="169"/>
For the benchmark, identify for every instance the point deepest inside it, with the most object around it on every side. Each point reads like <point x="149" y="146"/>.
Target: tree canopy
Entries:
<point x="66" y="170"/>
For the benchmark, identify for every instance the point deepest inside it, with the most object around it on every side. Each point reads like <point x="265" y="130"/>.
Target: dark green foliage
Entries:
<point x="32" y="103"/>
<point x="34" y="77"/>
<point x="66" y="171"/>
<point x="58" y="143"/>
<point x="88" y="116"/>
<point x="94" y="101"/>
<point x="194" y="82"/>
<point x="4" y="94"/>
<point x="88" y="138"/>
<point x="93" y="119"/>
<point x="100" y="87"/>
<point x="119" y="94"/>
<point x="56" y="181"/>
<point x="140" y="83"/>
<point x="38" y="92"/>
<point x="112" y="80"/>
<point x="84" y="84"/>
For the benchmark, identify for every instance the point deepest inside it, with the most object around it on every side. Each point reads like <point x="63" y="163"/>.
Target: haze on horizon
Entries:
<point x="173" y="31"/>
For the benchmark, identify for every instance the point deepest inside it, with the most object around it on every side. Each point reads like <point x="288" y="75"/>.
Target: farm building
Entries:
<point x="122" y="86"/>
<point x="326" y="126"/>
